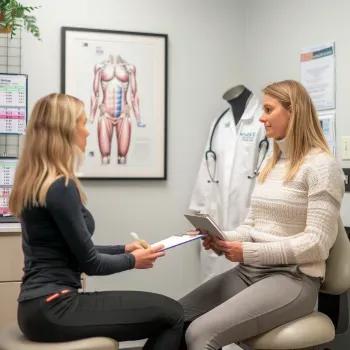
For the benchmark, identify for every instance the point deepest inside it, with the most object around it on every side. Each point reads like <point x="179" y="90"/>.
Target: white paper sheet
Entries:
<point x="327" y="121"/>
<point x="175" y="241"/>
<point x="318" y="74"/>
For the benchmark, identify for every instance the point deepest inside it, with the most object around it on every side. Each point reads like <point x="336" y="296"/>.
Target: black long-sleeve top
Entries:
<point x="57" y="245"/>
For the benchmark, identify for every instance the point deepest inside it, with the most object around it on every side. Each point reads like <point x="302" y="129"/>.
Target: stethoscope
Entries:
<point x="263" y="145"/>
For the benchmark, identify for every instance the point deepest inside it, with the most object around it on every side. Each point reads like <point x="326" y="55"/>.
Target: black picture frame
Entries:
<point x="145" y="59"/>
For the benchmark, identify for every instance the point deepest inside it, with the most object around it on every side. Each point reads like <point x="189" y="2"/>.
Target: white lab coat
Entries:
<point x="227" y="202"/>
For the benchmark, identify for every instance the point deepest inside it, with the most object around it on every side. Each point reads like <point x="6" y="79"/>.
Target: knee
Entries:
<point x="193" y="335"/>
<point x="174" y="313"/>
<point x="199" y="337"/>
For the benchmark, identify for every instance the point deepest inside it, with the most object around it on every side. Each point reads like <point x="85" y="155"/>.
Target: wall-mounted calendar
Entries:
<point x="13" y="103"/>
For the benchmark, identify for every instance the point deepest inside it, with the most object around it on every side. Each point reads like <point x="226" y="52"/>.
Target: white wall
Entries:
<point x="206" y="41"/>
<point x="213" y="45"/>
<point x="276" y="31"/>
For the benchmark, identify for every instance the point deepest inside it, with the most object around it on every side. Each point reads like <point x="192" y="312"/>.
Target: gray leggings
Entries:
<point x="246" y="301"/>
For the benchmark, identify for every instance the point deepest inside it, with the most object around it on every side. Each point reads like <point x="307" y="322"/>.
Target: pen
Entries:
<point x="135" y="236"/>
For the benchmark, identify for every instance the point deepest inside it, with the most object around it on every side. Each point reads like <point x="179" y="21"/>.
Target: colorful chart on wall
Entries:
<point x="13" y="103"/>
<point x="122" y="79"/>
<point x="7" y="174"/>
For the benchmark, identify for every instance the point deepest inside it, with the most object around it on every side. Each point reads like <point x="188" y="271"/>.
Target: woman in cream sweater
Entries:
<point x="286" y="238"/>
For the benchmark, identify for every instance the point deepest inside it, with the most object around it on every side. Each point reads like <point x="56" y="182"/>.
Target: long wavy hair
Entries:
<point x="304" y="130"/>
<point x="49" y="151"/>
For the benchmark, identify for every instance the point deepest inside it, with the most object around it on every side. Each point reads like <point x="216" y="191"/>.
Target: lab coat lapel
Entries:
<point x="251" y="108"/>
<point x="228" y="161"/>
<point x="247" y="116"/>
<point x="233" y="150"/>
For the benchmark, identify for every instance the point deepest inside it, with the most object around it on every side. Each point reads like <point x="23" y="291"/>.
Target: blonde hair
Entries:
<point x="304" y="130"/>
<point x="49" y="151"/>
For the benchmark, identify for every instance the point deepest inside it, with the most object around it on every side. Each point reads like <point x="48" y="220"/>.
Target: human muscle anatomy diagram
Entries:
<point x="116" y="78"/>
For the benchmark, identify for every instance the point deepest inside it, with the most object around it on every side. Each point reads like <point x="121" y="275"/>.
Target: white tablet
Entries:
<point x="175" y="241"/>
<point x="204" y="222"/>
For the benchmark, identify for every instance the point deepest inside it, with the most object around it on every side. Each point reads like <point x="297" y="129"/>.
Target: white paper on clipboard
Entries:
<point x="174" y="241"/>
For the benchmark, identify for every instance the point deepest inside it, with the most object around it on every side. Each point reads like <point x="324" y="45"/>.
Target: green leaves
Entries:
<point x="14" y="15"/>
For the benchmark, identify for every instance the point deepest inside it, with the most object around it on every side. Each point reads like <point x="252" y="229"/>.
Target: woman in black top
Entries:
<point x="57" y="245"/>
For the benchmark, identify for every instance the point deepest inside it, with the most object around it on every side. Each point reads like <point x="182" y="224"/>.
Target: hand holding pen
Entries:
<point x="137" y="244"/>
<point x="145" y="255"/>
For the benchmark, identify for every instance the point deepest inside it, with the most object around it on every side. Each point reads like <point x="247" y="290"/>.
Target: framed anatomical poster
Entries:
<point x="121" y="77"/>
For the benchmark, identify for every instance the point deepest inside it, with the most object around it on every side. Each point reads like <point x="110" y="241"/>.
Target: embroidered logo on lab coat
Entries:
<point x="247" y="136"/>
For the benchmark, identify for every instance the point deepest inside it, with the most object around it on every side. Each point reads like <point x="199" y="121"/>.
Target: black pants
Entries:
<point x="121" y="315"/>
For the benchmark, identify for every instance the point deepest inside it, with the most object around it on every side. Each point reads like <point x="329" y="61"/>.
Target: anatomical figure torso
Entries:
<point x="117" y="80"/>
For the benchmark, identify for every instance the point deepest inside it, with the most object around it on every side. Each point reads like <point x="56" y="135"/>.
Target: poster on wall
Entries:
<point x="13" y="103"/>
<point x="7" y="174"/>
<point x="318" y="74"/>
<point x="122" y="79"/>
<point x="327" y="121"/>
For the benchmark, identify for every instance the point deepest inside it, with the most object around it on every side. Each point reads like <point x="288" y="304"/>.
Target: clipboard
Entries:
<point x="175" y="241"/>
<point x="204" y="222"/>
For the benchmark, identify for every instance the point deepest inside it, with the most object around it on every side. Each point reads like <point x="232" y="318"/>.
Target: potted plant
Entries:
<point x="14" y="15"/>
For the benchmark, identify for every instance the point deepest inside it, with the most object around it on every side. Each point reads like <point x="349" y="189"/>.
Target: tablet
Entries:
<point x="204" y="222"/>
<point x="175" y="241"/>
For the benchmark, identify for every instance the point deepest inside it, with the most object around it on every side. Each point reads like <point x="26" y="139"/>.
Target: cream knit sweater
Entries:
<point x="294" y="222"/>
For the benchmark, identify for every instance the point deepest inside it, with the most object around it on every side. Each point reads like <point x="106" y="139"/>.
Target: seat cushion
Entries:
<point x="314" y="329"/>
<point x="11" y="338"/>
